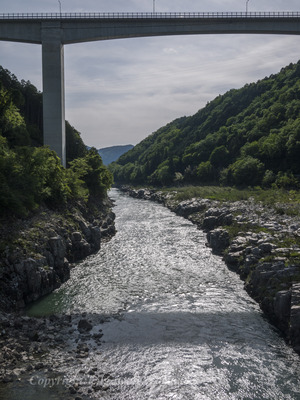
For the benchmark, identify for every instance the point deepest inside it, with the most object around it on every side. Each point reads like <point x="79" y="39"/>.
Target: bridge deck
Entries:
<point x="154" y="15"/>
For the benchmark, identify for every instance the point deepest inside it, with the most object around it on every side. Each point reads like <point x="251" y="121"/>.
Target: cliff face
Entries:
<point x="37" y="253"/>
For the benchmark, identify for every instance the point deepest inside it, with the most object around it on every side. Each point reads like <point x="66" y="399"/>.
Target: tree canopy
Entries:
<point x="32" y="174"/>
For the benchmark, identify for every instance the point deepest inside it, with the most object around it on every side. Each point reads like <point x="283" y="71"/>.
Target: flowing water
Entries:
<point x="179" y="324"/>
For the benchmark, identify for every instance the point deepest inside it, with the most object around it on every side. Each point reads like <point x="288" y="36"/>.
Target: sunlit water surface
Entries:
<point x="179" y="323"/>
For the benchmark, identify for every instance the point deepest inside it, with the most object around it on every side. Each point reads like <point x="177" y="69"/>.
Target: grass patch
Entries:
<point x="268" y="258"/>
<point x="289" y="242"/>
<point x="207" y="192"/>
<point x="285" y="201"/>
<point x="236" y="229"/>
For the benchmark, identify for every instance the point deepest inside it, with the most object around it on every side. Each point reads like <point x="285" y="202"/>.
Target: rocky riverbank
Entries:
<point x="37" y="253"/>
<point x="261" y="244"/>
<point x="37" y="352"/>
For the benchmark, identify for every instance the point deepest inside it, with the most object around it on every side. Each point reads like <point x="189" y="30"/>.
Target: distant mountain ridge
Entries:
<point x="111" y="154"/>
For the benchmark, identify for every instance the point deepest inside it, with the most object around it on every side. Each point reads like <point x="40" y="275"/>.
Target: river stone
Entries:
<point x="187" y="207"/>
<point x="282" y="306"/>
<point x="209" y="223"/>
<point x="234" y="258"/>
<point x="256" y="252"/>
<point x="266" y="247"/>
<point x="85" y="228"/>
<point x="57" y="247"/>
<point x="76" y="237"/>
<point x="33" y="276"/>
<point x="84" y="325"/>
<point x="218" y="240"/>
<point x="39" y="365"/>
<point x="72" y="390"/>
<point x="96" y="236"/>
<point x="295" y="317"/>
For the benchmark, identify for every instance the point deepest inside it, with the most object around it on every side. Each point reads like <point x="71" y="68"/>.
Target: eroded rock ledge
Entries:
<point x="259" y="243"/>
<point x="36" y="254"/>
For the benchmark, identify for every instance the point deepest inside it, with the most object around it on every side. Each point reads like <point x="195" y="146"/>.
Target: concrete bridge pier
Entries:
<point x="53" y="89"/>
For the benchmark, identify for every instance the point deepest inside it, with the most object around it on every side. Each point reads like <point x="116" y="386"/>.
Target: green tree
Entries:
<point x="205" y="172"/>
<point x="219" y="157"/>
<point x="75" y="148"/>
<point x="293" y="145"/>
<point x="271" y="147"/>
<point x="250" y="149"/>
<point x="286" y="180"/>
<point x="93" y="173"/>
<point x="268" y="179"/>
<point x="247" y="171"/>
<point x="162" y="175"/>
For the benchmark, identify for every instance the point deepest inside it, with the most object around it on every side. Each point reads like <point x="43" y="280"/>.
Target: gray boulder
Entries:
<point x="218" y="240"/>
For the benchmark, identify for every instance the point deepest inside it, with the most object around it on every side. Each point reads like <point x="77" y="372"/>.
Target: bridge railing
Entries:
<point x="123" y="15"/>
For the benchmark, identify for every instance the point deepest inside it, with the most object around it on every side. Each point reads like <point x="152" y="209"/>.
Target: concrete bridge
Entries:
<point x="53" y="31"/>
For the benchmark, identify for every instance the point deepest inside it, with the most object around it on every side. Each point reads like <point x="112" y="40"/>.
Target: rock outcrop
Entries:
<point x="37" y="253"/>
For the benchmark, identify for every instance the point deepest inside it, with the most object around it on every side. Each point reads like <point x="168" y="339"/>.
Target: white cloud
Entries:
<point x="170" y="50"/>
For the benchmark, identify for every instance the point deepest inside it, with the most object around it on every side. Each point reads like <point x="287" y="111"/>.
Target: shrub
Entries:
<point x="161" y="176"/>
<point x="220" y="157"/>
<point x="268" y="179"/>
<point x="205" y="172"/>
<point x="286" y="180"/>
<point x="247" y="171"/>
<point x="90" y="170"/>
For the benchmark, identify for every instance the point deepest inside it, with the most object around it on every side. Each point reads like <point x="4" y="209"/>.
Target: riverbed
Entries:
<point x="176" y="323"/>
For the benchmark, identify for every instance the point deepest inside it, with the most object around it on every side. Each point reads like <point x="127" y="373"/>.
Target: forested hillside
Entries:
<point x="246" y="137"/>
<point x="31" y="174"/>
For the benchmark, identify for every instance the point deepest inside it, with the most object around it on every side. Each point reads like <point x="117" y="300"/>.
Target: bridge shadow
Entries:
<point x="207" y="328"/>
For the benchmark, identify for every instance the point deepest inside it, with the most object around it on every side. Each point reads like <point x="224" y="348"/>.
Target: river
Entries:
<point x="176" y="323"/>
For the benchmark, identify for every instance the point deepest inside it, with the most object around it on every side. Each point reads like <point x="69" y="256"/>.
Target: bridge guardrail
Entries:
<point x="155" y="15"/>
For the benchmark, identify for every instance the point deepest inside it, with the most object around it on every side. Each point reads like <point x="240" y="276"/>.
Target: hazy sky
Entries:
<point x="120" y="91"/>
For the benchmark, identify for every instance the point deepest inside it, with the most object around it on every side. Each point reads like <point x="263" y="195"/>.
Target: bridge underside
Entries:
<point x="53" y="34"/>
<point x="166" y="27"/>
<point x="87" y="30"/>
